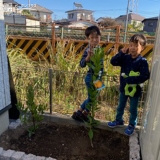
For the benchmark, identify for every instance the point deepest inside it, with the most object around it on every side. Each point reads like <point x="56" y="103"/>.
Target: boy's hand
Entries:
<point x="90" y="53"/>
<point x="125" y="50"/>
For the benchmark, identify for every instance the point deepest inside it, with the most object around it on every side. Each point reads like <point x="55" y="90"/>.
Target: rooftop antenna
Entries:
<point x="78" y="5"/>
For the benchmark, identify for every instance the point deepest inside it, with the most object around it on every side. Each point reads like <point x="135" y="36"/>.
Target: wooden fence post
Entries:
<point x="53" y="37"/>
<point x="117" y="38"/>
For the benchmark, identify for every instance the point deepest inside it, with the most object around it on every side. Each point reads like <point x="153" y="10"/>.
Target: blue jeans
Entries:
<point x="89" y="84"/>
<point x="133" y="108"/>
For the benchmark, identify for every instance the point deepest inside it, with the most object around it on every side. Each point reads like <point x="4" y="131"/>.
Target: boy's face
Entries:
<point x="135" y="49"/>
<point x="94" y="39"/>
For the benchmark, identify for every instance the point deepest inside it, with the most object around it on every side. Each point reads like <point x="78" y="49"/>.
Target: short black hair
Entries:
<point x="91" y="30"/>
<point x="139" y="38"/>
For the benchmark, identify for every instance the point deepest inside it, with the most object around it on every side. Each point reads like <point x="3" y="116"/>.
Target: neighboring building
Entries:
<point x="80" y="14"/>
<point x="13" y="16"/>
<point x="150" y="24"/>
<point x="99" y="20"/>
<point x="78" y="18"/>
<point x="15" y="19"/>
<point x="132" y="17"/>
<point x="62" y="22"/>
<point x="31" y="21"/>
<point x="10" y="6"/>
<point x="41" y="13"/>
<point x="21" y="20"/>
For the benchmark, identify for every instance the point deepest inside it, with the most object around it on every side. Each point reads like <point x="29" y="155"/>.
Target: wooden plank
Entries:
<point x="40" y="52"/>
<point x="28" y="44"/>
<point x="12" y="44"/>
<point x="108" y="47"/>
<point x="20" y="43"/>
<point x="34" y="48"/>
<point x="67" y="47"/>
<point x="147" y="49"/>
<point x="80" y="44"/>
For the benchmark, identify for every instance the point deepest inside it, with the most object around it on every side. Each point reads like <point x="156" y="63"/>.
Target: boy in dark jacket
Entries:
<point x="134" y="72"/>
<point x="93" y="34"/>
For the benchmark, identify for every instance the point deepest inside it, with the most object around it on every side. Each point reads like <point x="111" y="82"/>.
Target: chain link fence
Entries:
<point x="63" y="92"/>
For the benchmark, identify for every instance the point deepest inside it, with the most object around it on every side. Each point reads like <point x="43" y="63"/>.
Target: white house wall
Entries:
<point x="150" y="127"/>
<point x="30" y="22"/>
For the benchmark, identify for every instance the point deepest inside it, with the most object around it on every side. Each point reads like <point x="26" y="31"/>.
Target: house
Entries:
<point x="99" y="20"/>
<point x="22" y="20"/>
<point x="79" y="17"/>
<point x="150" y="24"/>
<point x="41" y="13"/>
<point x="13" y="16"/>
<point x="132" y="17"/>
<point x="10" y="6"/>
<point x="80" y="14"/>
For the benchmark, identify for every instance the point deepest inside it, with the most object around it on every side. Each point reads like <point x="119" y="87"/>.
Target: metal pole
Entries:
<point x="6" y="29"/>
<point x="62" y="31"/>
<point x="126" y="24"/>
<point x="50" y="90"/>
<point x="29" y="3"/>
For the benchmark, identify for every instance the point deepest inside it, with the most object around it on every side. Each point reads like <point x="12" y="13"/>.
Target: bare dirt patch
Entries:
<point x="67" y="142"/>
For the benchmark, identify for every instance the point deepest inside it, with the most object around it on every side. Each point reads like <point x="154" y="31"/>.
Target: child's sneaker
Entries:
<point x="115" y="123"/>
<point x="79" y="116"/>
<point x="129" y="130"/>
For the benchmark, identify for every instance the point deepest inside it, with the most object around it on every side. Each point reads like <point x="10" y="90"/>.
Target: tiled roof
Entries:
<point x="151" y="18"/>
<point x="10" y="1"/>
<point x="131" y="16"/>
<point x="41" y="9"/>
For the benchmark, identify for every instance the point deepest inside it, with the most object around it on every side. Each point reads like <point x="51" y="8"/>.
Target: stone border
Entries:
<point x="12" y="155"/>
<point x="134" y="147"/>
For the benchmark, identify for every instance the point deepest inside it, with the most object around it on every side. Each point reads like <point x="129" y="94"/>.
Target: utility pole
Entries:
<point x="126" y="24"/>
<point x="131" y="7"/>
<point x="29" y="5"/>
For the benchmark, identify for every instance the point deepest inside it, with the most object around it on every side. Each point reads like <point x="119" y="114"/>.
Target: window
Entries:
<point x="70" y="16"/>
<point x="78" y="16"/>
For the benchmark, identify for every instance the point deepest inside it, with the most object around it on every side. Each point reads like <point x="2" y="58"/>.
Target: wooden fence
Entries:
<point x="44" y="47"/>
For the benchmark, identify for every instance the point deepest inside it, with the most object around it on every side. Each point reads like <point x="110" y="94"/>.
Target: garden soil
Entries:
<point x="67" y="142"/>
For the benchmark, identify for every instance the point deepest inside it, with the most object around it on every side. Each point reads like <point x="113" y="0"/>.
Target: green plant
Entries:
<point x="31" y="112"/>
<point x="95" y="64"/>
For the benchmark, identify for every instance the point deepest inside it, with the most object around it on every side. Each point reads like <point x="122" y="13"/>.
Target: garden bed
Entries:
<point x="67" y="142"/>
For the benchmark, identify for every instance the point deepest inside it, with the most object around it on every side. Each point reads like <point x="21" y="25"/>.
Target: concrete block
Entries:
<point x="1" y="150"/>
<point x="14" y="124"/>
<point x="28" y="157"/>
<point x="49" y="158"/>
<point x="17" y="155"/>
<point x="7" y="154"/>
<point x="39" y="158"/>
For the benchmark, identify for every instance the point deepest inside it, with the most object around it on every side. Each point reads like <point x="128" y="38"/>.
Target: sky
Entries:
<point x="101" y="8"/>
